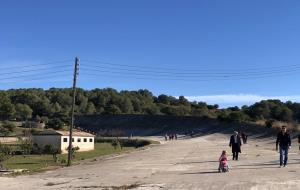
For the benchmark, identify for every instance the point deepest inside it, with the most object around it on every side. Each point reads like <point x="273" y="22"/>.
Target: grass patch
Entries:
<point x="125" y="142"/>
<point x="35" y="163"/>
<point x="101" y="149"/>
<point x="30" y="162"/>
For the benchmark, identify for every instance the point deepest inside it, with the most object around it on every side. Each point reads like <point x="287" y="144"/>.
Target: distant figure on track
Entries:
<point x="166" y="137"/>
<point x="192" y="134"/>
<point x="244" y="137"/>
<point x="284" y="141"/>
<point x="299" y="141"/>
<point x="235" y="143"/>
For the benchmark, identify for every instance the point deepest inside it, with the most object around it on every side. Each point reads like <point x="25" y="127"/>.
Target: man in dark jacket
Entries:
<point x="235" y="144"/>
<point x="284" y="141"/>
<point x="299" y="141"/>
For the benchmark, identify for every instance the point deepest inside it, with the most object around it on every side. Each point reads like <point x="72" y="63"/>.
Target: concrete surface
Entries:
<point x="181" y="164"/>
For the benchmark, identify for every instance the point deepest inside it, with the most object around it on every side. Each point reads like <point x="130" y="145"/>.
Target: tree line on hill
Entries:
<point x="53" y="106"/>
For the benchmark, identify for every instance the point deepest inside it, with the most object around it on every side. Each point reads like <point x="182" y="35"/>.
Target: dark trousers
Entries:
<point x="235" y="155"/>
<point x="284" y="151"/>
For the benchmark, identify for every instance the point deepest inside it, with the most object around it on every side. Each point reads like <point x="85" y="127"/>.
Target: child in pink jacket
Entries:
<point x="223" y="162"/>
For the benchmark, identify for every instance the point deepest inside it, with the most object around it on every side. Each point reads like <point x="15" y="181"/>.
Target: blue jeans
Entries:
<point x="284" y="151"/>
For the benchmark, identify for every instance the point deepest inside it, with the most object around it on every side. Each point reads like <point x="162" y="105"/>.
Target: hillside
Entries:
<point x="126" y="125"/>
<point x="53" y="106"/>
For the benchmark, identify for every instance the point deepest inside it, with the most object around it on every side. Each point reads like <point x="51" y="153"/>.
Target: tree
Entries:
<point x="125" y="105"/>
<point x="56" y="107"/>
<point x="23" y="112"/>
<point x="38" y="118"/>
<point x="260" y="110"/>
<point x="73" y="151"/>
<point x="116" y="143"/>
<point x="235" y="108"/>
<point x="26" y="146"/>
<point x="90" y="108"/>
<point x="49" y="149"/>
<point x="5" y="154"/>
<point x="45" y="119"/>
<point x="269" y="123"/>
<point x="7" y="109"/>
<point x="10" y="126"/>
<point x="222" y="115"/>
<point x="237" y="117"/>
<point x="137" y="108"/>
<point x="6" y="128"/>
<point x="183" y="101"/>
<point x="55" y="123"/>
<point x="113" y="109"/>
<point x="215" y="106"/>
<point x="164" y="99"/>
<point x="286" y="114"/>
<point x="152" y="110"/>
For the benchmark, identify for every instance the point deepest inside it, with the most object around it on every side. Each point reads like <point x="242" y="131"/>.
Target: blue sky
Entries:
<point x="166" y="36"/>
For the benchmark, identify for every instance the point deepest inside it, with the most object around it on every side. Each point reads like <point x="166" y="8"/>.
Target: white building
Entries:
<point x="60" y="140"/>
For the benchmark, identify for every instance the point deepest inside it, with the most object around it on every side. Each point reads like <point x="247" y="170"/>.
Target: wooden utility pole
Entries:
<point x="72" y="114"/>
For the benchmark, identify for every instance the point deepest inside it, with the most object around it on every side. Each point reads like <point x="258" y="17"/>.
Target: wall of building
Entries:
<point x="8" y="139"/>
<point x="83" y="146"/>
<point x="42" y="140"/>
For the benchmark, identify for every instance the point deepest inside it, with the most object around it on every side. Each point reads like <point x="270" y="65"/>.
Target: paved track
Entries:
<point x="181" y="164"/>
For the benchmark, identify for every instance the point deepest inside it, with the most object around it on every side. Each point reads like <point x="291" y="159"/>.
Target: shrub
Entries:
<point x="125" y="142"/>
<point x="269" y="123"/>
<point x="10" y="126"/>
<point x="5" y="153"/>
<point x="63" y="161"/>
<point x="26" y="146"/>
<point x="135" y="143"/>
<point x="74" y="151"/>
<point x="115" y="143"/>
<point x="36" y="149"/>
<point x="49" y="149"/>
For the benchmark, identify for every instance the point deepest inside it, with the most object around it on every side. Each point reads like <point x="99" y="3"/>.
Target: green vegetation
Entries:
<point x="121" y="142"/>
<point x="53" y="106"/>
<point x="35" y="163"/>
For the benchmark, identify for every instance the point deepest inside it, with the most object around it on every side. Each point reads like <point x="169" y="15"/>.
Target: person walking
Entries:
<point x="299" y="141"/>
<point x="223" y="162"/>
<point x="284" y="141"/>
<point x="235" y="143"/>
<point x="244" y="137"/>
<point x="166" y="137"/>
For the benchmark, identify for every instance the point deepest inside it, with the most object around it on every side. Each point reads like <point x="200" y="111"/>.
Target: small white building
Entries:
<point x="60" y="140"/>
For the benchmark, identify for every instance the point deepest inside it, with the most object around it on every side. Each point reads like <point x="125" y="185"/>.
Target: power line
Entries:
<point x="22" y="76"/>
<point x="188" y="75"/>
<point x="48" y="76"/>
<point x="26" y="71"/>
<point x="179" y="79"/>
<point x="41" y="64"/>
<point x="192" y="70"/>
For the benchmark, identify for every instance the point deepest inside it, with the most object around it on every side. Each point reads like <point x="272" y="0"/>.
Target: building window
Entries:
<point x="72" y="139"/>
<point x="65" y="139"/>
<point x="79" y="140"/>
<point x="91" y="140"/>
<point x="84" y="140"/>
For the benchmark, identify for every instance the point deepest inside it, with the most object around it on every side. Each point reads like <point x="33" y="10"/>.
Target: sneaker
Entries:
<point x="280" y="166"/>
<point x="284" y="165"/>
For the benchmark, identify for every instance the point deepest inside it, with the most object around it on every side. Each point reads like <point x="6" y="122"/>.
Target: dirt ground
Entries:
<point x="181" y="164"/>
